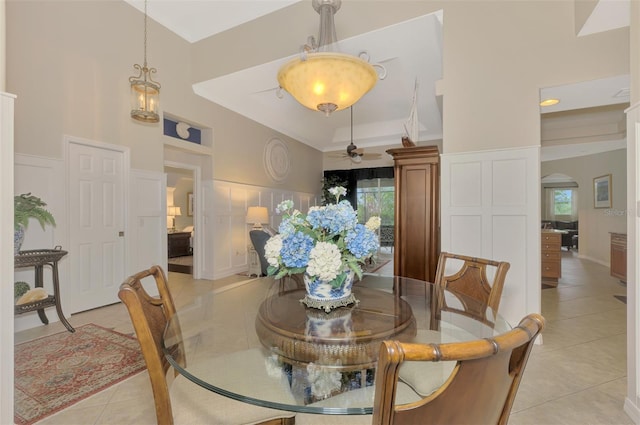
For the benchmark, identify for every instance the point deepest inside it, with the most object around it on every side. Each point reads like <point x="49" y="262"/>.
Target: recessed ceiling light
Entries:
<point x="549" y="102"/>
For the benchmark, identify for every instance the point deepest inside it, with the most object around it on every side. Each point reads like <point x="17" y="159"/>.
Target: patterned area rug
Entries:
<point x="56" y="371"/>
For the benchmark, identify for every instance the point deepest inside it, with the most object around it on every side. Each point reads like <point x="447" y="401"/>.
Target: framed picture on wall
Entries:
<point x="190" y="204"/>
<point x="602" y="191"/>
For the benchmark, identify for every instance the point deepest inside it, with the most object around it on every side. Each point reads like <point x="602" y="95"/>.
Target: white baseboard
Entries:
<point x="632" y="410"/>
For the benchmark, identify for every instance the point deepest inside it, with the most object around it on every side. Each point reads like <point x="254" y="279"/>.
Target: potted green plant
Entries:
<point x="26" y="206"/>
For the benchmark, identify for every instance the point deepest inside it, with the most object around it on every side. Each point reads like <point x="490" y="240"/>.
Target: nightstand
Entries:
<point x="254" y="262"/>
<point x="178" y="244"/>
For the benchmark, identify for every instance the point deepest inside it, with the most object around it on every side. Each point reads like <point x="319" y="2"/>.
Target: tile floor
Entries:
<point x="577" y="376"/>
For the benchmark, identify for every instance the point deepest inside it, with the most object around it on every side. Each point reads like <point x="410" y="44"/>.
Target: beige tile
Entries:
<point x="597" y="405"/>
<point x="577" y="376"/>
<point x="128" y="412"/>
<point x="78" y="416"/>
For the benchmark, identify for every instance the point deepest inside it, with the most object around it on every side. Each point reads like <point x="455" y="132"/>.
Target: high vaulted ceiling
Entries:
<point x="408" y="50"/>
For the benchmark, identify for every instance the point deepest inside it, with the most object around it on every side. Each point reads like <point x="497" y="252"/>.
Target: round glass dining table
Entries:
<point x="257" y="343"/>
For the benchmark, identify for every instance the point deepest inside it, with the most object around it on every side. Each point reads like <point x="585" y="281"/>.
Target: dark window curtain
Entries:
<point x="352" y="177"/>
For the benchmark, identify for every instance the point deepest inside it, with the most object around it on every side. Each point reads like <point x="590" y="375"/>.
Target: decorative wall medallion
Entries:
<point x="182" y="128"/>
<point x="276" y="159"/>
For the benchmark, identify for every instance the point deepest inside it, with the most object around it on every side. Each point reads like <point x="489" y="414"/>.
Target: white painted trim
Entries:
<point x="126" y="166"/>
<point x="199" y="235"/>
<point x="49" y="184"/>
<point x="6" y="256"/>
<point x="632" y="401"/>
<point x="225" y="216"/>
<point x="476" y="197"/>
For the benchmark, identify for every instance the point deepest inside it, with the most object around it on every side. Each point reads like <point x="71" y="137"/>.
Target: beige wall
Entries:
<point x="69" y="63"/>
<point x="3" y="46"/>
<point x="497" y="55"/>
<point x="596" y="223"/>
<point x="74" y="78"/>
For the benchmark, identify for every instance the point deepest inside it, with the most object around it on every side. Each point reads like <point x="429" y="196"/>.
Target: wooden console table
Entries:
<point x="38" y="258"/>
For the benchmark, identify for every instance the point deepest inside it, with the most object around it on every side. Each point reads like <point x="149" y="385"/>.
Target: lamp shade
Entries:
<point x="327" y="81"/>
<point x="257" y="216"/>
<point x="173" y="211"/>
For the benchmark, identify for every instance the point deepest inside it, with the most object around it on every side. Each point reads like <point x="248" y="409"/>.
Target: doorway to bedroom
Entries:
<point x="180" y="219"/>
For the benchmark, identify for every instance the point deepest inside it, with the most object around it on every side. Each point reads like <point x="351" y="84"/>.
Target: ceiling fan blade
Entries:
<point x="358" y="151"/>
<point x="338" y="155"/>
<point x="369" y="156"/>
<point x="266" y="90"/>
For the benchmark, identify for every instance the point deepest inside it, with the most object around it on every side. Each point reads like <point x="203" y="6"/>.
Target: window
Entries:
<point x="376" y="197"/>
<point x="562" y="201"/>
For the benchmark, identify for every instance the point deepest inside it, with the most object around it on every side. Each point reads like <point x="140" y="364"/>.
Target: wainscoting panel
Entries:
<point x="490" y="207"/>
<point x="231" y="232"/>
<point x="44" y="178"/>
<point x="147" y="221"/>
<point x="466" y="234"/>
<point x="507" y="229"/>
<point x="465" y="188"/>
<point x="207" y="242"/>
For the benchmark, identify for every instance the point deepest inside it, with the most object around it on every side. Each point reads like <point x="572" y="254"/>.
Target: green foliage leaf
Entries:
<point x="27" y="206"/>
<point x="20" y="288"/>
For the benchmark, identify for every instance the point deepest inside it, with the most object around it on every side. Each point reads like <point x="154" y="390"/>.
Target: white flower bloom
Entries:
<point x="273" y="367"/>
<point x="284" y="206"/>
<point x="373" y="223"/>
<point x="272" y="250"/>
<point x="323" y="380"/>
<point x="338" y="191"/>
<point x="324" y="261"/>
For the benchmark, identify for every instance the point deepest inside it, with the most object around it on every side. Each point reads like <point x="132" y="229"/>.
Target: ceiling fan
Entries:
<point x="355" y="154"/>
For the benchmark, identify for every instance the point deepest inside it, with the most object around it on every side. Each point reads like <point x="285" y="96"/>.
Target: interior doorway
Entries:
<point x="96" y="185"/>
<point x="559" y="201"/>
<point x="181" y="234"/>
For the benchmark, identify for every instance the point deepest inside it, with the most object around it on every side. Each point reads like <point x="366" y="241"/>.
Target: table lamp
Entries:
<point x="172" y="212"/>
<point x="257" y="216"/>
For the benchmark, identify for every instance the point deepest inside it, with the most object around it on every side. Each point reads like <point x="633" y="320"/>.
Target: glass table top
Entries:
<point x="259" y="344"/>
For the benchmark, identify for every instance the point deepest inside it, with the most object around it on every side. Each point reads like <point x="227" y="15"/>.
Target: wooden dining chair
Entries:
<point x="479" y="281"/>
<point x="480" y="390"/>
<point x="183" y="401"/>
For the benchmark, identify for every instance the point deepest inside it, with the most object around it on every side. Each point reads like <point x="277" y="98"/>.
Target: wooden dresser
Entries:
<point x="619" y="256"/>
<point x="551" y="256"/>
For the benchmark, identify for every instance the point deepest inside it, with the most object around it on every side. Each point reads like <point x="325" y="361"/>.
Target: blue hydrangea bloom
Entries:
<point x="361" y="241"/>
<point x="333" y="218"/>
<point x="295" y="249"/>
<point x="286" y="228"/>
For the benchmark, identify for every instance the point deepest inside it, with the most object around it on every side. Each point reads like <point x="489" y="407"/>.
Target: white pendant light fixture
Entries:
<point x="322" y="78"/>
<point x="145" y="93"/>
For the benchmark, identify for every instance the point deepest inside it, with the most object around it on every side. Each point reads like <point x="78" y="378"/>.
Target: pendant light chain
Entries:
<point x="145" y="92"/>
<point x="145" y="33"/>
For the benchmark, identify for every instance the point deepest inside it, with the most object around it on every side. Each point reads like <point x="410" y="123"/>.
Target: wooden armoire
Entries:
<point x="417" y="211"/>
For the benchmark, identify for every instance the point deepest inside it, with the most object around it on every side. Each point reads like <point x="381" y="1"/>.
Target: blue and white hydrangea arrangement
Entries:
<point x="325" y="244"/>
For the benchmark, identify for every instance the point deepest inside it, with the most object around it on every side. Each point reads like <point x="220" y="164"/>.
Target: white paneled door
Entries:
<point x="96" y="223"/>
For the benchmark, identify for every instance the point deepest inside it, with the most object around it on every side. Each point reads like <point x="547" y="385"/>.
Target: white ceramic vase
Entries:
<point x="321" y="294"/>
<point x="18" y="238"/>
